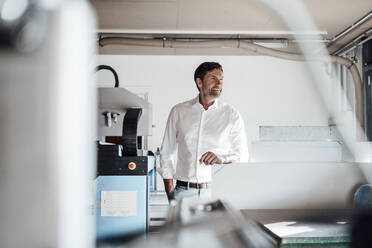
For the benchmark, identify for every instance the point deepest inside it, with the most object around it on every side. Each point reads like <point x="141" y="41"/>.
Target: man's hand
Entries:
<point x="168" y="185"/>
<point x="209" y="158"/>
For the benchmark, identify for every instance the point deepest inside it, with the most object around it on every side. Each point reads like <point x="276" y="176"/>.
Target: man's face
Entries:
<point x="211" y="86"/>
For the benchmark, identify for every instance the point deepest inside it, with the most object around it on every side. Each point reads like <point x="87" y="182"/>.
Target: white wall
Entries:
<point x="267" y="91"/>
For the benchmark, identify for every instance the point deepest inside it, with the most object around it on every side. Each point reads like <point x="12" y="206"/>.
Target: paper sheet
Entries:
<point x="118" y="203"/>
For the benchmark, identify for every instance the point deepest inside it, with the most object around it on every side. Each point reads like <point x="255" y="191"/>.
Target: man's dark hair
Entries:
<point x="204" y="68"/>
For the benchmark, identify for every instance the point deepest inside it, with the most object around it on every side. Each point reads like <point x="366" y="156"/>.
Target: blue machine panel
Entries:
<point x="113" y="225"/>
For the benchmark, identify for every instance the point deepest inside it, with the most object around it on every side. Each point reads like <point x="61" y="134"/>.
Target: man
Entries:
<point x="200" y="133"/>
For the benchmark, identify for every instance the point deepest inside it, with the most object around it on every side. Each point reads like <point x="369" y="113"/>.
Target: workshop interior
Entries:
<point x="85" y="92"/>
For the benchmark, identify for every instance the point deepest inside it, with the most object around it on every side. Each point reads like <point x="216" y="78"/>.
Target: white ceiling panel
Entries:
<point x="185" y="16"/>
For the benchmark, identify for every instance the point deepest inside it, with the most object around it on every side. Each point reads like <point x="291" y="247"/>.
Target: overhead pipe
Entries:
<point x="357" y="30"/>
<point x="351" y="28"/>
<point x="239" y="43"/>
<point x="360" y="40"/>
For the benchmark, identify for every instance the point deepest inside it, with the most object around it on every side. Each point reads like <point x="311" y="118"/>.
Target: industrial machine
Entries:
<point x="124" y="170"/>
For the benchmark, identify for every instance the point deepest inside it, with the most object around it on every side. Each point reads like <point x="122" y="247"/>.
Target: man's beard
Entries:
<point x="215" y="93"/>
<point x="210" y="93"/>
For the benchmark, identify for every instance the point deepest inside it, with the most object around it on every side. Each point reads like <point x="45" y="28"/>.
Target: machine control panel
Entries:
<point x="111" y="162"/>
<point x="130" y="165"/>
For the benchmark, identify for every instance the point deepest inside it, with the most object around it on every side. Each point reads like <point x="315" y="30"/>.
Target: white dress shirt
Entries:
<point x="192" y="131"/>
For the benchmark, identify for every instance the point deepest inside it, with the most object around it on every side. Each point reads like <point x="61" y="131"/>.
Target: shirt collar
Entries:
<point x="213" y="106"/>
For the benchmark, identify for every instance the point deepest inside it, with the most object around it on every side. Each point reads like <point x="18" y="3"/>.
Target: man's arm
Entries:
<point x="210" y="158"/>
<point x="239" y="147"/>
<point x="238" y="138"/>
<point x="168" y="185"/>
<point x="168" y="152"/>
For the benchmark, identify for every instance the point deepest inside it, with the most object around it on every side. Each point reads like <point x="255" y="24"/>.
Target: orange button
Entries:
<point x="132" y="166"/>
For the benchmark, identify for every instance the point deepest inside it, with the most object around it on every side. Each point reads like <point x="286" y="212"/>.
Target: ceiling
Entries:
<point x="206" y="18"/>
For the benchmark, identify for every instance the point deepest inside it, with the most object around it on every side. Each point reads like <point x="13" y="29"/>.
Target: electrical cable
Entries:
<point x="107" y="67"/>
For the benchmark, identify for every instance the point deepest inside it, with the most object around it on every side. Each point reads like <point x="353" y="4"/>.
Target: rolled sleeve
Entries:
<point x="239" y="148"/>
<point x="168" y="151"/>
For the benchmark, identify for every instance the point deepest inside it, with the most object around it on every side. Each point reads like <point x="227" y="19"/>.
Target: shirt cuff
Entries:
<point x="230" y="158"/>
<point x="222" y="158"/>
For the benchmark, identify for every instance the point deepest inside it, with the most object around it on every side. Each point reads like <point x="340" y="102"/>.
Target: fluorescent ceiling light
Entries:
<point x="273" y="44"/>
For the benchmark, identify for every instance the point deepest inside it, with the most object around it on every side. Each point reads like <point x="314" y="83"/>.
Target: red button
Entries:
<point x="132" y="166"/>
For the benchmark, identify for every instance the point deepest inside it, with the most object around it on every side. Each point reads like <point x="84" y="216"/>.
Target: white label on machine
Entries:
<point x="118" y="203"/>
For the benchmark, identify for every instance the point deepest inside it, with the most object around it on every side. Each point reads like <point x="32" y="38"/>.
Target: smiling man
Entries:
<point x="200" y="133"/>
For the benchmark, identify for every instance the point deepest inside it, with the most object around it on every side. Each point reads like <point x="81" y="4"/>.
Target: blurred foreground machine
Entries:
<point x="207" y="224"/>
<point x="125" y="173"/>
<point x="215" y="224"/>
